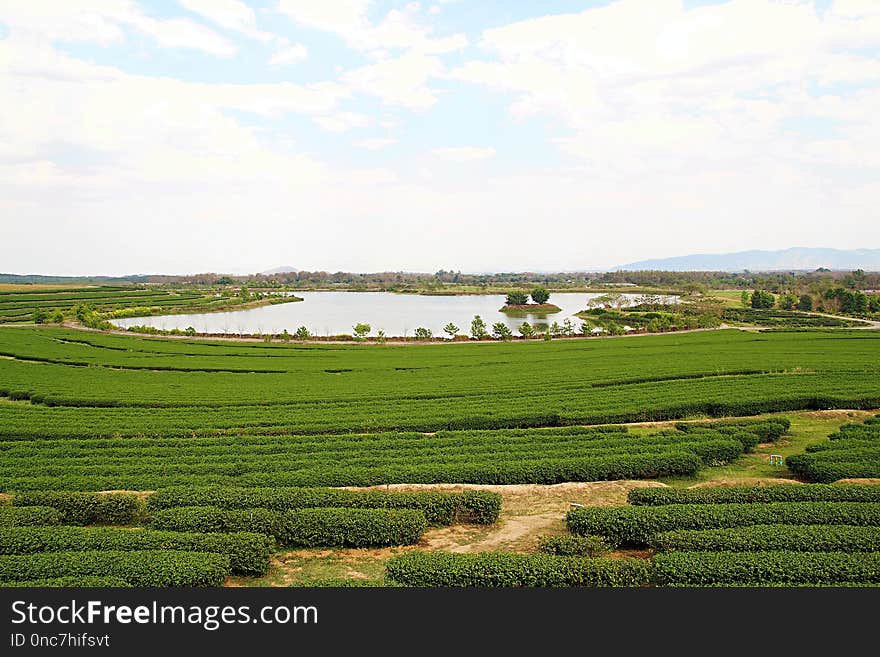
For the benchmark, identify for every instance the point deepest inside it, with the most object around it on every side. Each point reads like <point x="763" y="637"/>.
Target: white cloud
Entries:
<point x="229" y="14"/>
<point x="287" y="54"/>
<point x="105" y="22"/>
<point x="464" y="153"/>
<point x="349" y="19"/>
<point x="343" y="121"/>
<point x="401" y="81"/>
<point x="376" y="143"/>
<point x="644" y="85"/>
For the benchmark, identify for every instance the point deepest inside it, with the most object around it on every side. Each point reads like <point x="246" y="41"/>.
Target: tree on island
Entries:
<point x="517" y="298"/>
<point x="540" y="295"/>
<point x="451" y="330"/>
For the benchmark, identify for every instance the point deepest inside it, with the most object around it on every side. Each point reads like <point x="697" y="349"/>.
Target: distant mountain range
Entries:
<point x="284" y="269"/>
<point x="795" y="259"/>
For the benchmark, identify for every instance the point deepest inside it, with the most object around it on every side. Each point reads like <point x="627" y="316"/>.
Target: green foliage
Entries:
<point x="517" y="298"/>
<point x="208" y="387"/>
<point x="756" y="568"/>
<point x="422" y="333"/>
<point x="854" y="451"/>
<point x="440" y="508"/>
<point x="478" y="328"/>
<point x="361" y="330"/>
<point x="753" y="494"/>
<point x="497" y="569"/>
<point x="506" y="456"/>
<point x="501" y="331"/>
<point x="526" y="330"/>
<point x="41" y="316"/>
<point x="745" y="299"/>
<point x="805" y="303"/>
<point x="788" y="302"/>
<point x="451" y="330"/>
<point x="637" y="525"/>
<point x="784" y="319"/>
<point x="574" y="546"/>
<point x="762" y="538"/>
<point x="761" y="299"/>
<point x="302" y="333"/>
<point x="78" y="508"/>
<point x="76" y="582"/>
<point x="248" y="552"/>
<point x="137" y="568"/>
<point x="540" y="295"/>
<point x="28" y="516"/>
<point x="303" y="527"/>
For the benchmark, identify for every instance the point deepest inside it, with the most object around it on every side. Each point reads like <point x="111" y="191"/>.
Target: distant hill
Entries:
<point x="795" y="259"/>
<point x="284" y="269"/>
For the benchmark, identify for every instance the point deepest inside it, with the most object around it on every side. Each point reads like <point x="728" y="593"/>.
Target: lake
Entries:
<point x="335" y="313"/>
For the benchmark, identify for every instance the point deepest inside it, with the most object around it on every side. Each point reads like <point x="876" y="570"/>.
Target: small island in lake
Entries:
<point x="518" y="302"/>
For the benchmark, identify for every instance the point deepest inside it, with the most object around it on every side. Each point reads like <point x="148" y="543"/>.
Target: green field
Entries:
<point x="275" y="424"/>
<point x="19" y="304"/>
<point x="103" y="385"/>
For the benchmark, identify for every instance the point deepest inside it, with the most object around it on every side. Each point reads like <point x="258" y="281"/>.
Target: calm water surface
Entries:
<point x="335" y="313"/>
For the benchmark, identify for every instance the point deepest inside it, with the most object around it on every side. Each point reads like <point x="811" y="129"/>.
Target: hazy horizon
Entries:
<point x="367" y="135"/>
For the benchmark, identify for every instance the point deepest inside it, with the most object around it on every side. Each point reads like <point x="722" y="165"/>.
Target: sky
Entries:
<point x="184" y="136"/>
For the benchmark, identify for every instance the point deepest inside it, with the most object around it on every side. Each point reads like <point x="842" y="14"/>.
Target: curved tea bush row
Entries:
<point x="570" y="545"/>
<point x="834" y="471"/>
<point x="761" y="538"/>
<point x="303" y="527"/>
<point x="146" y="568"/>
<point x="490" y="471"/>
<point x="713" y="568"/>
<point x="28" y="516"/>
<point x="768" y="430"/>
<point x="637" y="525"/>
<point x="76" y="508"/>
<point x="440" y="508"/>
<point x="853" y="451"/>
<point x="514" y="570"/>
<point x="248" y="552"/>
<point x="747" y="494"/>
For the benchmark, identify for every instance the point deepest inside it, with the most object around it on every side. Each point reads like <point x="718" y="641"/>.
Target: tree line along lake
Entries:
<point x="398" y="315"/>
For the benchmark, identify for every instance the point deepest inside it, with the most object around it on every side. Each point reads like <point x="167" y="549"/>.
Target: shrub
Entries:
<point x="636" y="525"/>
<point x="86" y="508"/>
<point x="761" y="538"/>
<point x="13" y="516"/>
<point x="712" y="568"/>
<point x="440" y="508"/>
<point x="248" y="552"/>
<point x="574" y="546"/>
<point x="747" y="494"/>
<point x="147" y="568"/>
<point x="78" y="582"/>
<point x="495" y="569"/>
<point x="303" y="527"/>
